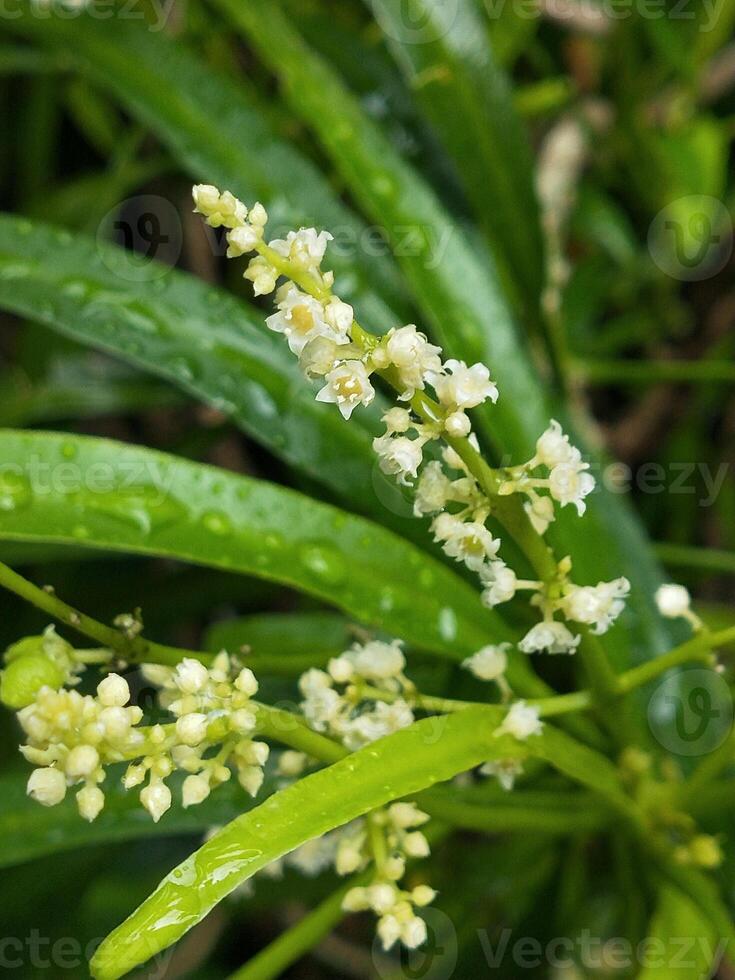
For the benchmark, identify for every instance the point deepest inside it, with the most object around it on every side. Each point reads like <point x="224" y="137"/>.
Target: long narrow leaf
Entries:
<point x="444" y="52"/>
<point x="103" y="494"/>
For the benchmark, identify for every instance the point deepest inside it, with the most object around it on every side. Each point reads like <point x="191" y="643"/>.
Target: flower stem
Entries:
<point x="136" y="650"/>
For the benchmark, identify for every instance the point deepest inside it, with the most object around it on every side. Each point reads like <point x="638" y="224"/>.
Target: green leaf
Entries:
<point x="200" y="338"/>
<point x="680" y="934"/>
<point x="103" y="494"/>
<point x="283" y="642"/>
<point x="29" y="831"/>
<point x="445" y="54"/>
<point x="399" y="765"/>
<point x="222" y="137"/>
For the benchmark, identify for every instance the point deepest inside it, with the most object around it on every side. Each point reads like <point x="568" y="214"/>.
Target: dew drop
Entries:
<point x="217" y="523"/>
<point x="15" y="491"/>
<point x="323" y="562"/>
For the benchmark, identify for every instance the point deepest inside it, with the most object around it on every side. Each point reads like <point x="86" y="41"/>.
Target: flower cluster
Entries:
<point x="345" y="700"/>
<point x="213" y="710"/>
<point x="321" y="331"/>
<point x="388" y="838"/>
<point x="73" y="737"/>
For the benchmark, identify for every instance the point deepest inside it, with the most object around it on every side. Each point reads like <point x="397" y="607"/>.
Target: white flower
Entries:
<point x="339" y="315"/>
<point x="469" y="542"/>
<point x="190" y="676"/>
<point x="90" y="802"/>
<point x="553" y="447"/>
<point x="415" y="845"/>
<point x="218" y="209"/>
<point x="81" y="762"/>
<point x="597" y="605"/>
<point x="413" y="932"/>
<point x="569" y="484"/>
<point x="113" y="691"/>
<point x="673" y="601"/>
<point x="377" y="660"/>
<point x="46" y="786"/>
<point x="195" y="790"/>
<point x="389" y="931"/>
<point x="500" y="583"/>
<point x="318" y="356"/>
<point x="250" y="778"/>
<point x="488" y="663"/>
<point x="423" y="895"/>
<point x="262" y="275"/>
<point x="521" y="722"/>
<point x="191" y="729"/>
<point x="540" y="512"/>
<point x="348" y="385"/>
<point x="301" y="318"/>
<point x="246" y="682"/>
<point x="399" y="456"/>
<point x="414" y="357"/>
<point x="383" y="720"/>
<point x="464" y="387"/>
<point x="305" y="247"/>
<point x="432" y="490"/>
<point x="397" y="420"/>
<point x="156" y="798"/>
<point x="292" y="763"/>
<point x="405" y="815"/>
<point x="552" y="636"/>
<point x="457" y="425"/>
<point x="242" y="240"/>
<point x="505" y="771"/>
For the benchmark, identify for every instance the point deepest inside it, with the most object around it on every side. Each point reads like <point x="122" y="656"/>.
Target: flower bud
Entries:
<point x="46" y="786"/>
<point x="81" y="761"/>
<point x="90" y="801"/>
<point x="192" y="729"/>
<point x="195" y="790"/>
<point x="24" y="677"/>
<point x="156" y="798"/>
<point x="113" y="691"/>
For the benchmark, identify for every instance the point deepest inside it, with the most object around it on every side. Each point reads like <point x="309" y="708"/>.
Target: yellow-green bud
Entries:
<point x="24" y="677"/>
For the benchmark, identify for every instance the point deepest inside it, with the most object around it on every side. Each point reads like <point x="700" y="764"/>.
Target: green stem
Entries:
<point x="697" y="650"/>
<point x="295" y="942"/>
<point x="137" y="650"/>
<point x="707" y="559"/>
<point x="647" y="372"/>
<point x="708" y="770"/>
<point x="285" y="727"/>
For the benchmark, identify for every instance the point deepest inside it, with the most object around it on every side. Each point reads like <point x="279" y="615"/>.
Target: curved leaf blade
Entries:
<point x="200" y="338"/>
<point x="468" y="99"/>
<point x="220" y="135"/>
<point x="399" y="765"/>
<point x="103" y="494"/>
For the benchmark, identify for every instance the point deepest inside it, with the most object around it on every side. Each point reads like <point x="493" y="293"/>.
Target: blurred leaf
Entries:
<point x="283" y="642"/>
<point x="446" y="56"/>
<point x="28" y="830"/>
<point x="215" y="130"/>
<point x="680" y="933"/>
<point x="206" y="342"/>
<point x="124" y="498"/>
